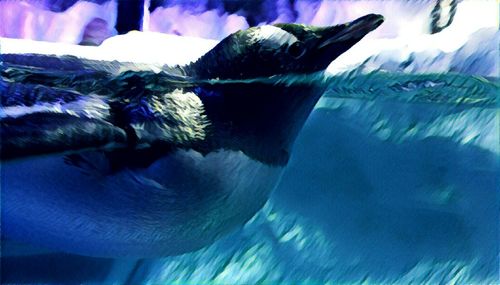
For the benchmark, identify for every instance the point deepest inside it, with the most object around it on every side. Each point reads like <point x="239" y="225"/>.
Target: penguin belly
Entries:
<point x="181" y="202"/>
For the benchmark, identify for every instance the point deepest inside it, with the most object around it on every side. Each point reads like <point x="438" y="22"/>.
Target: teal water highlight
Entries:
<point x="393" y="180"/>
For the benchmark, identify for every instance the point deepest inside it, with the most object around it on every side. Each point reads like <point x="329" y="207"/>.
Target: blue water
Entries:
<point x="393" y="179"/>
<point x="390" y="202"/>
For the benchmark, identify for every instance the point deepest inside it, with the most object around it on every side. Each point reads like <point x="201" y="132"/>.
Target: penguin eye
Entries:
<point x="297" y="49"/>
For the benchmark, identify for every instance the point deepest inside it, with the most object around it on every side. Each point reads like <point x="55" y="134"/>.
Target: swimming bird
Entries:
<point x="102" y="159"/>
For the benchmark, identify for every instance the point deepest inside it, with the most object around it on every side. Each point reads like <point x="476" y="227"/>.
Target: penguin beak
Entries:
<point x="322" y="45"/>
<point x="348" y="33"/>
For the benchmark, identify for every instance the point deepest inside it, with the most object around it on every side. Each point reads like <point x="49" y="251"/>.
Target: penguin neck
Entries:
<point x="214" y="64"/>
<point x="260" y="119"/>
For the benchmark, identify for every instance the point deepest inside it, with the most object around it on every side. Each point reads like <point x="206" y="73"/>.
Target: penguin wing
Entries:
<point x="54" y="108"/>
<point x="48" y="133"/>
<point x="37" y="120"/>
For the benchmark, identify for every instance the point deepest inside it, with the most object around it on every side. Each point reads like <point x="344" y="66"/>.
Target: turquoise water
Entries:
<point x="394" y="179"/>
<point x="439" y="88"/>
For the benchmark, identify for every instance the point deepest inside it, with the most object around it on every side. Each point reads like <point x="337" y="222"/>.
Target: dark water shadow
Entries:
<point x="391" y="205"/>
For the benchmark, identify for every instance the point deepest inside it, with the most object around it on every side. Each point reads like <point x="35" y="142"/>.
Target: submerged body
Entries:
<point x="107" y="163"/>
<point x="184" y="201"/>
<point x="153" y="201"/>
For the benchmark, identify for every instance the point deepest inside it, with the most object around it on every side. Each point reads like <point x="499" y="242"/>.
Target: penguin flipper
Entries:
<point x="50" y="133"/>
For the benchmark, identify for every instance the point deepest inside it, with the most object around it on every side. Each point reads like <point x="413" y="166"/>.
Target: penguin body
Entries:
<point x="104" y="162"/>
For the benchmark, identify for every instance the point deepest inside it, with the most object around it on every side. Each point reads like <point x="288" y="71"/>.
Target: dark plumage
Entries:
<point x="137" y="163"/>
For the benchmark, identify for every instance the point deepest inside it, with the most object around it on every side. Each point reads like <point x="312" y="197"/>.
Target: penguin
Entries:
<point x="102" y="160"/>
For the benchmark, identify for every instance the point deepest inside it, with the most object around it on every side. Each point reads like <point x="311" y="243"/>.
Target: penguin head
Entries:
<point x="281" y="49"/>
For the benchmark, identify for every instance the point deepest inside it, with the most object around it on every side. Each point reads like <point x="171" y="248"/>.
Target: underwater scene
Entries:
<point x="249" y="142"/>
